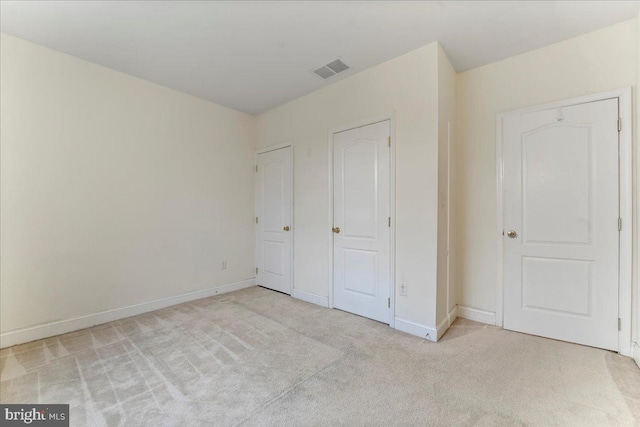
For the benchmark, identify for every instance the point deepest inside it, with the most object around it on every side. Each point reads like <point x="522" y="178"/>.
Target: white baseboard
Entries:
<point x="446" y="322"/>
<point x="453" y="315"/>
<point x="312" y="298"/>
<point x="635" y="350"/>
<point x="50" y="329"/>
<point x="417" y="329"/>
<point x="476" y="315"/>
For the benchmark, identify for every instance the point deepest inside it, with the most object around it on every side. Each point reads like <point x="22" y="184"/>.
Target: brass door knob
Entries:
<point x="512" y="234"/>
<point x="335" y="229"/>
<point x="286" y="228"/>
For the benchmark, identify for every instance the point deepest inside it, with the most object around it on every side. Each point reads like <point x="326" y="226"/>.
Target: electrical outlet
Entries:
<point x="403" y="289"/>
<point x="224" y="265"/>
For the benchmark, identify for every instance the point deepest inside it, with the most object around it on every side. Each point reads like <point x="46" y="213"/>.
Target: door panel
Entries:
<point x="361" y="211"/>
<point x="569" y="281"/>
<point x="360" y="271"/>
<point x="273" y="213"/>
<point x="561" y="200"/>
<point x="360" y="189"/>
<point x="556" y="162"/>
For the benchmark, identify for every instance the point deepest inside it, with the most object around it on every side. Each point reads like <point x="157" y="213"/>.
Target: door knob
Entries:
<point x="335" y="229"/>
<point x="512" y="234"/>
<point x="286" y="228"/>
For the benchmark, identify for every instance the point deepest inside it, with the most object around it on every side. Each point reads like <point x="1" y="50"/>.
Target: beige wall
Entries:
<point x="115" y="191"/>
<point x="406" y="86"/>
<point x="446" y="294"/>
<point x="636" y="193"/>
<point x="594" y="62"/>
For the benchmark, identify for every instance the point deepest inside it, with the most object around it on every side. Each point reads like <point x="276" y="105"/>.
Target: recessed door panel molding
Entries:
<point x="549" y="215"/>
<point x="273" y="220"/>
<point x="360" y="196"/>
<point x="360" y="271"/>
<point x="274" y="192"/>
<point x="560" y="218"/>
<point x="567" y="281"/>
<point x="274" y="258"/>
<point x="361" y="212"/>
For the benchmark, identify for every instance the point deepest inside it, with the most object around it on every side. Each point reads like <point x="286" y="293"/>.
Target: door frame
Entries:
<point x="392" y="204"/>
<point x="255" y="205"/>
<point x="625" y="281"/>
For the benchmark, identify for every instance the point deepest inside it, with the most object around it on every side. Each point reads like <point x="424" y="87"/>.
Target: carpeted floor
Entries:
<point x="260" y="358"/>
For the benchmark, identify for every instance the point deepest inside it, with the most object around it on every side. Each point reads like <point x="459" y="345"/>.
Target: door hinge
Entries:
<point x="389" y="221"/>
<point x="256" y="220"/>
<point x="619" y="324"/>
<point x="619" y="224"/>
<point x="256" y="270"/>
<point x="389" y="141"/>
<point x="389" y="302"/>
<point x="256" y="168"/>
<point x="619" y="124"/>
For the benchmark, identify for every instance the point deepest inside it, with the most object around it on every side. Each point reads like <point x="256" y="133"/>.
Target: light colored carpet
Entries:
<point x="260" y="358"/>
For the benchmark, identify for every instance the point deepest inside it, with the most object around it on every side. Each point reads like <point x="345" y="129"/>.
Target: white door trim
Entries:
<point x="626" y="205"/>
<point x="392" y="205"/>
<point x="273" y="148"/>
<point x="255" y="211"/>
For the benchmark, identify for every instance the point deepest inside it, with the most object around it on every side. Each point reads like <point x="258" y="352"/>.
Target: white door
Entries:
<point x="561" y="223"/>
<point x="273" y="220"/>
<point x="361" y="238"/>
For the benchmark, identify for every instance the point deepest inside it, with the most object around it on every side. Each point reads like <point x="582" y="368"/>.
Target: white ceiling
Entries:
<point x="253" y="56"/>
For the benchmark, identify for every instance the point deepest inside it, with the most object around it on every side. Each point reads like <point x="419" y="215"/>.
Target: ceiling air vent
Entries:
<point x="337" y="66"/>
<point x="324" y="72"/>
<point x="331" y="69"/>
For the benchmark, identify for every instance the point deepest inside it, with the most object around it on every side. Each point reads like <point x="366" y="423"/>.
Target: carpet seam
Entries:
<point x="285" y="392"/>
